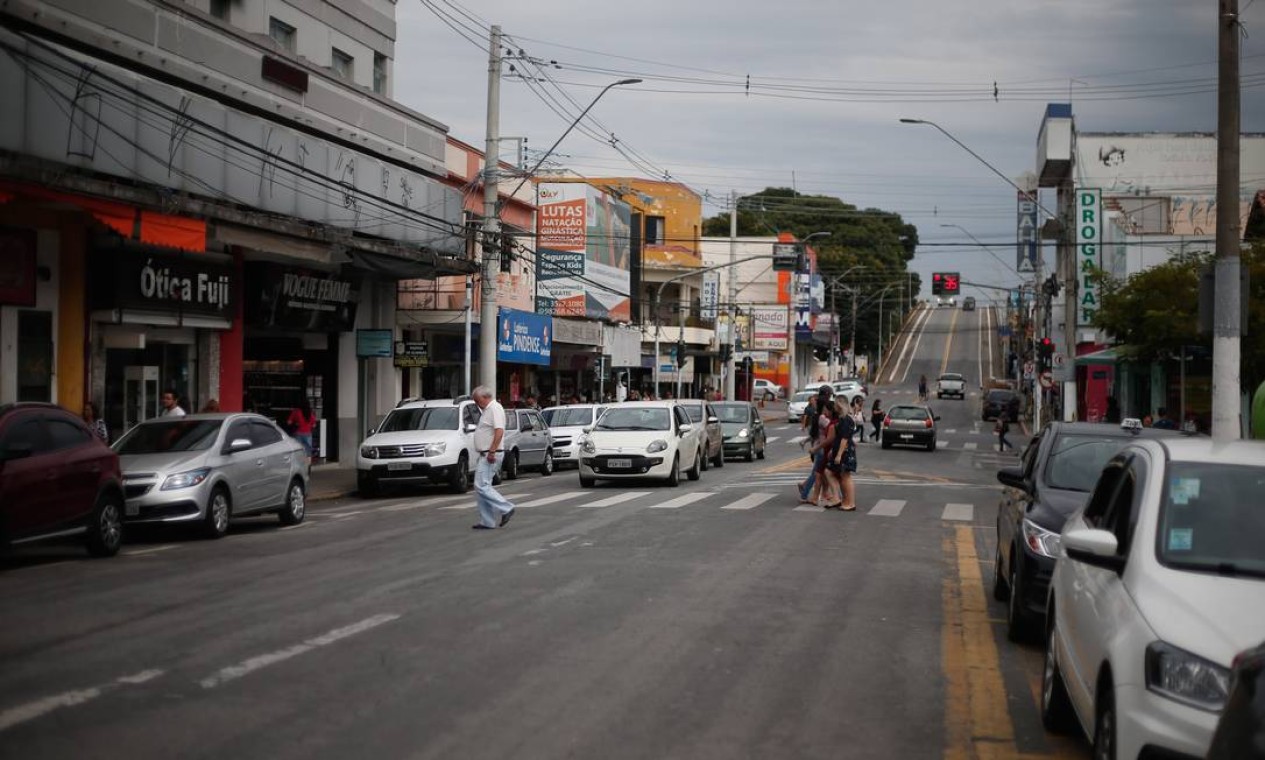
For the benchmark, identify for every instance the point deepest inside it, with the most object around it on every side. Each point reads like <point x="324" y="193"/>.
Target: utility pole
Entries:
<point x="469" y="314"/>
<point x="491" y="242"/>
<point x="1227" y="315"/>
<point x="733" y="295"/>
<point x="852" y="343"/>
<point x="834" y="337"/>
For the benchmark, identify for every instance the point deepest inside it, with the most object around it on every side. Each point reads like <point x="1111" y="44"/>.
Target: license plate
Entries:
<point x="393" y="466"/>
<point x="619" y="464"/>
<point x="561" y="453"/>
<point x="907" y="436"/>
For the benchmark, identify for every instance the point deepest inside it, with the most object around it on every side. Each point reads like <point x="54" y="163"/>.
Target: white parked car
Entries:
<point x="766" y="389"/>
<point x="642" y="439"/>
<point x="848" y="390"/>
<point x="567" y="424"/>
<point x="419" y="442"/>
<point x="798" y="404"/>
<point x="1160" y="581"/>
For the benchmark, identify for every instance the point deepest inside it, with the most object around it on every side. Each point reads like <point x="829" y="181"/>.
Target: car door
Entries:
<point x="27" y="476"/>
<point x="541" y="440"/>
<point x="469" y="421"/>
<point x="271" y="447"/>
<point x="687" y="444"/>
<point x="715" y="438"/>
<point x="532" y="455"/>
<point x="757" y="427"/>
<point x="1014" y="505"/>
<point x="78" y="456"/>
<point x="241" y="468"/>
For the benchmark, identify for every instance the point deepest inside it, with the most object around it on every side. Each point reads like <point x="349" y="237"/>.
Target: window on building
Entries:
<point x="380" y="73"/>
<point x="655" y="230"/>
<point x="343" y="64"/>
<point x="220" y="9"/>
<point x="281" y="33"/>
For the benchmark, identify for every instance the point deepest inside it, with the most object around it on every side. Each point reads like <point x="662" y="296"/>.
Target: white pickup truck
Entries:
<point x="951" y="384"/>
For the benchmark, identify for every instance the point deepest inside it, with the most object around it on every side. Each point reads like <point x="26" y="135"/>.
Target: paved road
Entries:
<point x="714" y="620"/>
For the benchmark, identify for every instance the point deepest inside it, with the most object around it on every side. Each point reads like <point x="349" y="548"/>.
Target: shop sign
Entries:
<point x="583" y="253"/>
<point x="709" y="299"/>
<point x="1088" y="261"/>
<point x="1026" y="234"/>
<point x="623" y="344"/>
<point x="409" y="354"/>
<point x="581" y="332"/>
<point x="150" y="280"/>
<point x="769" y="329"/>
<point x="524" y="337"/>
<point x="374" y="344"/>
<point x="299" y="299"/>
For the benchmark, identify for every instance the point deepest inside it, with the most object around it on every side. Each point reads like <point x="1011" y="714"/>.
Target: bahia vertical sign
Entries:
<point x="1088" y="252"/>
<point x="583" y="253"/>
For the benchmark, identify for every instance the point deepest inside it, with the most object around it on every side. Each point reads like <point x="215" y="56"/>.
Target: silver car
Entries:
<point x="702" y="415"/>
<point x="527" y="443"/>
<point x="208" y="468"/>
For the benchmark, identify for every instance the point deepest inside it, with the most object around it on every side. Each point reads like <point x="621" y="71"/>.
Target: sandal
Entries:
<point x="848" y="508"/>
<point x="834" y="506"/>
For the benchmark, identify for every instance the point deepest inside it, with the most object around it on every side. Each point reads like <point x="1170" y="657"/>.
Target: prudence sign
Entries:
<point x="1088" y="246"/>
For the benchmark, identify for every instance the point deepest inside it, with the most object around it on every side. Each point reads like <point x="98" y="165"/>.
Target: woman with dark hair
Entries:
<point x="301" y="422"/>
<point x="844" y="461"/>
<point x="827" y="483"/>
<point x="876" y="418"/>
<point x="92" y="418"/>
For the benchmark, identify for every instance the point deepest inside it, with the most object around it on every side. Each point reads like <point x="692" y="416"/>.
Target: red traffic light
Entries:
<point x="935" y="277"/>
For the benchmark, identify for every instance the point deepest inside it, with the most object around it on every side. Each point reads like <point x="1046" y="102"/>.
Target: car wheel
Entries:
<point x="702" y="463"/>
<point x="1105" y="724"/>
<point x="699" y="463"/>
<point x="886" y="443"/>
<point x="546" y="469"/>
<point x="510" y="468"/>
<point x="750" y="457"/>
<point x="219" y="509"/>
<point x="366" y="485"/>
<point x="1056" y="707"/>
<point x="999" y="584"/>
<point x="931" y="445"/>
<point x="760" y="453"/>
<point x="674" y="476"/>
<point x="296" y="504"/>
<point x="719" y="461"/>
<point x="1018" y="622"/>
<point x="587" y="482"/>
<point x="105" y="526"/>
<point x="939" y="395"/>
<point x="459" y="480"/>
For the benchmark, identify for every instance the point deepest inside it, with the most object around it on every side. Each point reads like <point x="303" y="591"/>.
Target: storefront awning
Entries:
<point x="1103" y="356"/>
<point x="128" y="221"/>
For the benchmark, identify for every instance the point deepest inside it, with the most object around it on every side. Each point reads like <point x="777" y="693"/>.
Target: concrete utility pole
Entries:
<point x="491" y="241"/>
<point x="1226" y="326"/>
<point x="733" y="295"/>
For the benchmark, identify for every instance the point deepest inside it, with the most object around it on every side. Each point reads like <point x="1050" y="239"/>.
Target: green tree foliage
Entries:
<point x="1153" y="313"/>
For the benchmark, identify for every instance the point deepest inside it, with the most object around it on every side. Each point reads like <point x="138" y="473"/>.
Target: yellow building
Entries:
<point x="671" y="214"/>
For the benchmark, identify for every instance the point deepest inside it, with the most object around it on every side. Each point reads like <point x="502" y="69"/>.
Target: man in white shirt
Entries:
<point x="494" y="509"/>
<point x="170" y="407"/>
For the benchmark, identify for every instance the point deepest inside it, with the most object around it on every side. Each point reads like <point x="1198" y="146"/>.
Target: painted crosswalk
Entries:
<point x="750" y="501"/>
<point x="887" y="508"/>
<point x="963" y="512"/>
<point x="682" y="501"/>
<point x="616" y="499"/>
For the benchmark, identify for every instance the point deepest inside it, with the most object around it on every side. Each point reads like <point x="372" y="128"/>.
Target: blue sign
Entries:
<point x="524" y="337"/>
<point x="375" y="344"/>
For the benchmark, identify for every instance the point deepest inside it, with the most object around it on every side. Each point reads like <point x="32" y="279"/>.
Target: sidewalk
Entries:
<point x="331" y="481"/>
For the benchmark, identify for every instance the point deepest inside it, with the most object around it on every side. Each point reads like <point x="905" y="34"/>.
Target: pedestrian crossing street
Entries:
<point x="942" y="444"/>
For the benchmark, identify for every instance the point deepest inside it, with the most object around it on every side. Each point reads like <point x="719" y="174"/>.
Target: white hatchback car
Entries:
<point x="1159" y="583"/>
<point x="419" y="442"/>
<point x="642" y="439"/>
<point x="567" y="424"/>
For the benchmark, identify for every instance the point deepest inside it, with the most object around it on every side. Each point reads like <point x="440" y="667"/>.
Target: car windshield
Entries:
<point x="165" y="436"/>
<point x="422" y="418"/>
<point x="1076" y="461"/>
<point x="1000" y="397"/>
<point x="908" y="413"/>
<point x="733" y="413"/>
<point x="803" y="396"/>
<point x="633" y="418"/>
<point x="695" y="411"/>
<point x="1211" y="519"/>
<point x="569" y="416"/>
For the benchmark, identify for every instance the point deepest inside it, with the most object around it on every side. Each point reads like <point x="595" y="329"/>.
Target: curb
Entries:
<point x="329" y="495"/>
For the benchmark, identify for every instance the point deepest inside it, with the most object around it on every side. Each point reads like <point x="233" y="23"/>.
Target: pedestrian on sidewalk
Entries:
<point x="300" y="424"/>
<point x="876" y="418"/>
<point x="1003" y="427"/>
<point x="494" y="509"/>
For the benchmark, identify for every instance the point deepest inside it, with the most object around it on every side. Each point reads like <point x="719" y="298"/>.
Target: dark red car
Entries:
<point x="57" y="479"/>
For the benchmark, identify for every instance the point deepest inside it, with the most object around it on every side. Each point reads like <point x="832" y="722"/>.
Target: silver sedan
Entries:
<point x="208" y="468"/>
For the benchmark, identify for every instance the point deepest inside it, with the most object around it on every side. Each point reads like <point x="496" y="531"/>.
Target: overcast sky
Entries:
<point x="836" y="77"/>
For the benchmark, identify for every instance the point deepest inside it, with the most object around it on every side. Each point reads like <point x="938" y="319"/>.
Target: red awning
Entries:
<point x="129" y="221"/>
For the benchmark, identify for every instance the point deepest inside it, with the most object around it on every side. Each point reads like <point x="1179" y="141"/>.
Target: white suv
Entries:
<point x="420" y="441"/>
<point x="766" y="388"/>
<point x="642" y="439"/>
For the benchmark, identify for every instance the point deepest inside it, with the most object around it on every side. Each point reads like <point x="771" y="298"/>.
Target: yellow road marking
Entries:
<point x="948" y="344"/>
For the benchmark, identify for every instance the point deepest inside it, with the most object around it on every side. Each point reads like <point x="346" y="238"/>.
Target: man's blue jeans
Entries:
<point x="491" y="504"/>
<point x="818" y="458"/>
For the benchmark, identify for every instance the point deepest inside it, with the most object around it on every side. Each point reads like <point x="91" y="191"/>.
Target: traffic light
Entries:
<point x="680" y="354"/>
<point x="951" y="284"/>
<point x="1045" y="352"/>
<point x="937" y="284"/>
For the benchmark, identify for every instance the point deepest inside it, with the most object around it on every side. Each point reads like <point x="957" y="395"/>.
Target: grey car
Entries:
<point x="527" y="444"/>
<point x="205" y="469"/>
<point x="702" y="413"/>
<point x="909" y="425"/>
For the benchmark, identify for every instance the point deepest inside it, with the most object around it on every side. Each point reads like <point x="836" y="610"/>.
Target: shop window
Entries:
<point x="380" y="73"/>
<point x="35" y="356"/>
<point x="281" y="33"/>
<point x="343" y="64"/>
<point x="655" y="230"/>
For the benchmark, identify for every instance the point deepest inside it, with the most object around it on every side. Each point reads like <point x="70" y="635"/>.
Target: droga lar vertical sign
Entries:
<point x="1088" y="239"/>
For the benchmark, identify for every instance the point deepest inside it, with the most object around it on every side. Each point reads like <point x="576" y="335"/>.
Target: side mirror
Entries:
<point x="16" y="451"/>
<point x="1013" y="477"/>
<point x="371" y="432"/>
<point x="588" y="429"/>
<point x="470" y="427"/>
<point x="1094" y="547"/>
<point x="713" y="420"/>
<point x="935" y="417"/>
<point x="236" y="445"/>
<point x="685" y="429"/>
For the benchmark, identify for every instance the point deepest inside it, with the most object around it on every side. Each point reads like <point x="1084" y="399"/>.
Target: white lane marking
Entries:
<point x="964" y="512"/>
<point x="808" y="508"/>
<point x="940" y="444"/>
<point x="951" y="432"/>
<point x="771" y="439"/>
<point x="246" y="667"/>
<point x="32" y="710"/>
<point x="417" y="504"/>
<point x="917" y="327"/>
<point x="551" y="499"/>
<point x="681" y="501"/>
<point x="798" y="439"/>
<point x="887" y="508"/>
<point x="881" y="482"/>
<point x="979" y="350"/>
<point x="342" y="514"/>
<point x="616" y="499"/>
<point x="296" y="527"/>
<point x="460" y="506"/>
<point x="151" y="550"/>
<point x="750" y="501"/>
<point x="970" y="445"/>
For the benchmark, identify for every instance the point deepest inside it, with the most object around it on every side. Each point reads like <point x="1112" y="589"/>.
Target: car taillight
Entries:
<point x="887" y="422"/>
<point x="929" y="422"/>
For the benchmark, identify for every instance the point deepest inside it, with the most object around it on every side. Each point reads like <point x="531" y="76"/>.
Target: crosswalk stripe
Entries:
<point x="887" y="508"/>
<point x="681" y="501"/>
<point x="808" y="508"/>
<point x="970" y="445"/>
<point x="940" y="444"/>
<point x="798" y="438"/>
<point x="771" y="438"/>
<point x="750" y="501"/>
<point x="550" y="499"/>
<point x="950" y="432"/>
<point x="964" y="512"/>
<point x="616" y="499"/>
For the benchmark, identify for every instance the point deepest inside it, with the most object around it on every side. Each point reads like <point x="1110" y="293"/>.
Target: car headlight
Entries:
<point x="587" y="446"/>
<point x="186" y="479"/>
<point x="657" y="446"/>
<point x="369" y="452"/>
<point x="1042" y="541"/>
<point x="742" y="433"/>
<point x="434" y="449"/>
<point x="1186" y="678"/>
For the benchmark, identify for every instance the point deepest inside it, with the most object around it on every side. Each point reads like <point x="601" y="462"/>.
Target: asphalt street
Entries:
<point x="715" y="620"/>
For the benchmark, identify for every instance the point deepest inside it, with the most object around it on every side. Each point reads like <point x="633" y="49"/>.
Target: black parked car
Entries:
<point x="1055" y="476"/>
<point x="1241" y="731"/>
<point x="998" y="400"/>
